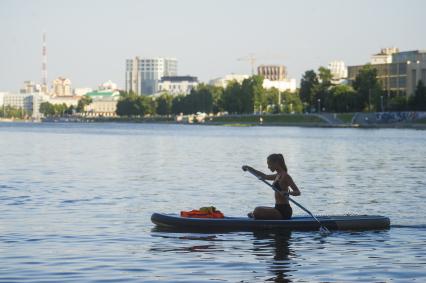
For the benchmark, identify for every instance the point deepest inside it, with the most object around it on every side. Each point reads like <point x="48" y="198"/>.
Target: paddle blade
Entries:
<point x="324" y="231"/>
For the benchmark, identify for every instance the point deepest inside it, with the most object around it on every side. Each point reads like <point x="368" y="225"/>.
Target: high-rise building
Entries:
<point x="401" y="75"/>
<point x="144" y="74"/>
<point x="272" y="72"/>
<point x="62" y="87"/>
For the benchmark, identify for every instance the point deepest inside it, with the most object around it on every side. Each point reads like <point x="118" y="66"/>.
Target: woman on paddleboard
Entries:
<point x="283" y="183"/>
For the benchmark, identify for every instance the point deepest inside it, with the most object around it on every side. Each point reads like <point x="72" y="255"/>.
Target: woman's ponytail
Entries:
<point x="279" y="158"/>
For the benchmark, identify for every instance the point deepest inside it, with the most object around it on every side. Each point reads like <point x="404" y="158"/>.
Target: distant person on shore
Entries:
<point x="282" y="182"/>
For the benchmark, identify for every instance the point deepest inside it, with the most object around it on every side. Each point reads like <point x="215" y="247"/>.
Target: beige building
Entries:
<point x="62" y="87"/>
<point x="272" y="72"/>
<point x="401" y="75"/>
<point x="102" y="108"/>
<point x="104" y="104"/>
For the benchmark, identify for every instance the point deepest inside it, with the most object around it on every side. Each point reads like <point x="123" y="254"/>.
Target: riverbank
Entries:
<point x="322" y="120"/>
<point x="395" y="120"/>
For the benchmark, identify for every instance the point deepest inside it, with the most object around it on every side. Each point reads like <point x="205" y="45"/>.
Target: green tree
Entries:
<point x="83" y="102"/>
<point x="418" y="100"/>
<point x="341" y="98"/>
<point x="291" y="102"/>
<point x="308" y="87"/>
<point x="232" y="98"/>
<point x="325" y="76"/>
<point x="252" y="95"/>
<point x="273" y="100"/>
<point x="164" y="104"/>
<point x="47" y="109"/>
<point x="129" y="105"/>
<point x="200" y="100"/>
<point x="178" y="104"/>
<point x="8" y="111"/>
<point x="368" y="89"/>
<point x="398" y="103"/>
<point x="217" y="95"/>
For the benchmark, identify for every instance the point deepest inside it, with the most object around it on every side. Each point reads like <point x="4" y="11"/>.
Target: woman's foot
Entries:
<point x="250" y="215"/>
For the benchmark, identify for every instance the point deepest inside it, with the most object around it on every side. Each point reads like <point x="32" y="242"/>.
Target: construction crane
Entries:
<point x="252" y="61"/>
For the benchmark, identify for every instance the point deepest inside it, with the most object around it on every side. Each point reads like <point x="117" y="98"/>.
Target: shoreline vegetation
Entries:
<point x="324" y="120"/>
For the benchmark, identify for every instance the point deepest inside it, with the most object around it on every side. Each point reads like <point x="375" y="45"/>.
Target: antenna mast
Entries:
<point x="44" y="65"/>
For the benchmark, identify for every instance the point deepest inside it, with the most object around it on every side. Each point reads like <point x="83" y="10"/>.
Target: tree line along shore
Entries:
<point x="244" y="102"/>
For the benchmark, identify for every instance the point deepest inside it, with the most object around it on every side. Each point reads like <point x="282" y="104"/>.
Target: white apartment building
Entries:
<point x="282" y="85"/>
<point x="384" y="56"/>
<point x="62" y="87"/>
<point x="28" y="102"/>
<point x="225" y="80"/>
<point x="67" y="100"/>
<point x="144" y="74"/>
<point x="30" y="87"/>
<point x="338" y="71"/>
<point x="108" y="86"/>
<point x="176" y="85"/>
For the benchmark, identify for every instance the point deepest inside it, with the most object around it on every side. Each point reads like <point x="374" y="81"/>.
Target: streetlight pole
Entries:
<point x="319" y="105"/>
<point x="381" y="102"/>
<point x="369" y="100"/>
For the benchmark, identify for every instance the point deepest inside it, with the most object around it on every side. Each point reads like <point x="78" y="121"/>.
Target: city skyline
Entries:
<point x="89" y="42"/>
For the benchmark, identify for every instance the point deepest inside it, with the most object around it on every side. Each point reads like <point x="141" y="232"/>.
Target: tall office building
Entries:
<point x="144" y="74"/>
<point x="399" y="75"/>
<point x="272" y="72"/>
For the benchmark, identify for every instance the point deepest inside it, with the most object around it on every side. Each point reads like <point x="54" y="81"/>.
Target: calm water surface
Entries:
<point x="76" y="200"/>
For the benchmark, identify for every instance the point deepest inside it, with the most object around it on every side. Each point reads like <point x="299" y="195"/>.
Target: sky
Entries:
<point x="88" y="41"/>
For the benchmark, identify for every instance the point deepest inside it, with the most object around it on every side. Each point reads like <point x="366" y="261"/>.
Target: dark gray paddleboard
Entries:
<point x="338" y="222"/>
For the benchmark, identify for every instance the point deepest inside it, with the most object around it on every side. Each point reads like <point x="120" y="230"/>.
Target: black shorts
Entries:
<point x="285" y="210"/>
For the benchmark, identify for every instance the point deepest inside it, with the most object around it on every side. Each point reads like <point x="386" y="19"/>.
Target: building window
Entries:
<point x="413" y="78"/>
<point x="423" y="78"/>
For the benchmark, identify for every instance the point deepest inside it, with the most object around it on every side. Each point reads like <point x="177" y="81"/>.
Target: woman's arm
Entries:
<point x="294" y="189"/>
<point x="258" y="173"/>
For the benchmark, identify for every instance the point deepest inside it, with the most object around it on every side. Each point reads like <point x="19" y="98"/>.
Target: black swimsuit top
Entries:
<point x="276" y="185"/>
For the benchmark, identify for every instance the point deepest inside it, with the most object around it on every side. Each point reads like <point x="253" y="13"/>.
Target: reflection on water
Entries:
<point x="76" y="201"/>
<point x="278" y="245"/>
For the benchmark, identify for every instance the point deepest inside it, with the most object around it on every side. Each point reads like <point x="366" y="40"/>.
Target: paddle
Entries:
<point x="323" y="230"/>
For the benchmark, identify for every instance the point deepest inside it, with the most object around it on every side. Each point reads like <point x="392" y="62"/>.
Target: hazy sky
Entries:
<point x="88" y="41"/>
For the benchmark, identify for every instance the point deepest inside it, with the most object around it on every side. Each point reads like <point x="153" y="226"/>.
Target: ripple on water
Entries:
<point x="80" y="209"/>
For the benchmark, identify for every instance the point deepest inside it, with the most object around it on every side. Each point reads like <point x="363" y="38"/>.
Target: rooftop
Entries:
<point x="179" y="79"/>
<point x="102" y="93"/>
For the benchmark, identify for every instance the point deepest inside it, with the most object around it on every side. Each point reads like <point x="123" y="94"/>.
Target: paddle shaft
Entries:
<point x="293" y="201"/>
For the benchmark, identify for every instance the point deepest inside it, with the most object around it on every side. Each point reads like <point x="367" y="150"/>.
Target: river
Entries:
<point x="76" y="200"/>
